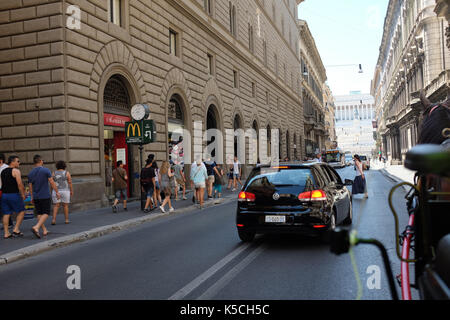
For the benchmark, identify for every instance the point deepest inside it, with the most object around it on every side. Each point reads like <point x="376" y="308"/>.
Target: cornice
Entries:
<point x="312" y="48"/>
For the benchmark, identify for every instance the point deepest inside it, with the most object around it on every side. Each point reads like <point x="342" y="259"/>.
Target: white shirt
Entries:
<point x="236" y="167"/>
<point x="359" y="165"/>
<point x="2" y="167"/>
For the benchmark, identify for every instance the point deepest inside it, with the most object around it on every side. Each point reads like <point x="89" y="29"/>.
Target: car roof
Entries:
<point x="299" y="164"/>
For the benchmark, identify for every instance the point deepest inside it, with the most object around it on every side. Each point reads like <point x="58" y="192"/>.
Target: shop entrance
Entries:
<point x="116" y="149"/>
<point x="116" y="107"/>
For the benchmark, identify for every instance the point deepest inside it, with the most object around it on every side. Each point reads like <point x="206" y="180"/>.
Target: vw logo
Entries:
<point x="276" y="196"/>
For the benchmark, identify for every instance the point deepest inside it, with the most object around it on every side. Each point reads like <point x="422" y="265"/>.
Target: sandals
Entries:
<point x="17" y="234"/>
<point x="8" y="237"/>
<point x="36" y="233"/>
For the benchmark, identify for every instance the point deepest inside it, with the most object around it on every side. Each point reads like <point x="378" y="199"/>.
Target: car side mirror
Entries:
<point x="348" y="182"/>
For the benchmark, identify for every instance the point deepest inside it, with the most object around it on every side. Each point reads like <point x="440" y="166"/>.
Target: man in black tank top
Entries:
<point x="13" y="195"/>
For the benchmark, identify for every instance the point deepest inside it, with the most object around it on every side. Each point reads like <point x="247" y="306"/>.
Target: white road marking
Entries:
<point x="183" y="292"/>
<point x="230" y="275"/>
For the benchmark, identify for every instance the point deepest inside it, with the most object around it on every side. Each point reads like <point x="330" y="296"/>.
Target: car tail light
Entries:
<point x="315" y="195"/>
<point x="246" y="196"/>
<point x="319" y="226"/>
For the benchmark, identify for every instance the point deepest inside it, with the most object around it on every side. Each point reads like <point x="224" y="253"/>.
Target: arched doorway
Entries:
<point x="117" y="103"/>
<point x="214" y="138"/>
<point x="255" y="143"/>
<point x="237" y="124"/>
<point x="176" y="126"/>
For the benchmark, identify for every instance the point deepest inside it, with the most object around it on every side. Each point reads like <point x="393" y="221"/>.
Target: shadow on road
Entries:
<point x="292" y="242"/>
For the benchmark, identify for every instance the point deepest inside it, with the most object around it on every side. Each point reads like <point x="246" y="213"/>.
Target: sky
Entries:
<point x="346" y="32"/>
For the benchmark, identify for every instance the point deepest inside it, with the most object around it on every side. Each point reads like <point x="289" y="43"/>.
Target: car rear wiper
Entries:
<point x="286" y="185"/>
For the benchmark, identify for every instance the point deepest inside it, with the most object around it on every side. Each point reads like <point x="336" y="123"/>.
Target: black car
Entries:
<point x="307" y="198"/>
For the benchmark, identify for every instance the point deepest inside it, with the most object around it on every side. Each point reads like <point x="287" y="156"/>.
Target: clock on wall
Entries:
<point x="140" y="112"/>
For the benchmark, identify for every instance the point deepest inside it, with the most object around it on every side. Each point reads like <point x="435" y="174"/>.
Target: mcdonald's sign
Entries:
<point x="133" y="131"/>
<point x="140" y="132"/>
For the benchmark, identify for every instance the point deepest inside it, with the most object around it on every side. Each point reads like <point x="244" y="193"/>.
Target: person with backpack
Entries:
<point x="63" y="181"/>
<point x="148" y="183"/>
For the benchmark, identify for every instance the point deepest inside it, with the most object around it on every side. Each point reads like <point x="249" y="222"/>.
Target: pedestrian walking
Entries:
<point x="180" y="179"/>
<point x="237" y="173"/>
<point x="13" y="196"/>
<point x="230" y="176"/>
<point x="164" y="177"/>
<point x="359" y="184"/>
<point x="198" y="179"/>
<point x="218" y="181"/>
<point x="173" y="182"/>
<point x="157" y="193"/>
<point x="210" y="170"/>
<point x="3" y="165"/>
<point x="38" y="183"/>
<point x="119" y="179"/>
<point x="148" y="183"/>
<point x="63" y="181"/>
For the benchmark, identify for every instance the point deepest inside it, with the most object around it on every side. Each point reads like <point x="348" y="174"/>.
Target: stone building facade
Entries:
<point x="66" y="90"/>
<point x="354" y="129"/>
<point x="330" y="121"/>
<point x="313" y="78"/>
<point x="413" y="56"/>
<point x="442" y="9"/>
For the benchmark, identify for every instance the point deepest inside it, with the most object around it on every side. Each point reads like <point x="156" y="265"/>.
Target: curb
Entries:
<point x="45" y="246"/>
<point x="395" y="179"/>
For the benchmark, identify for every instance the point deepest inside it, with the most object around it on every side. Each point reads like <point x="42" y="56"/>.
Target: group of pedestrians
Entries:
<point x="166" y="182"/>
<point x="45" y="187"/>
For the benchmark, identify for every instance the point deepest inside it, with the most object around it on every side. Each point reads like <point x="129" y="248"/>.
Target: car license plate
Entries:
<point x="276" y="219"/>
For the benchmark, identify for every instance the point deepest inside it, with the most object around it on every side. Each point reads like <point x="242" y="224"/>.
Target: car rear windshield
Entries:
<point x="269" y="177"/>
<point x="363" y="158"/>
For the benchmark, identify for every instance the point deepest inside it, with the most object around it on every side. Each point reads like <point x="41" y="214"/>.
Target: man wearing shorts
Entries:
<point x="120" y="186"/>
<point x="38" y="179"/>
<point x="3" y="165"/>
<point x="13" y="195"/>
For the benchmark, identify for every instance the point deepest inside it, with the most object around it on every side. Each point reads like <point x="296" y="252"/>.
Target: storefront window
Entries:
<point x="175" y="130"/>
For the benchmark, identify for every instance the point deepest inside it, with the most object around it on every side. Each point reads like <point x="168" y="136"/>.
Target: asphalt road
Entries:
<point x="198" y="255"/>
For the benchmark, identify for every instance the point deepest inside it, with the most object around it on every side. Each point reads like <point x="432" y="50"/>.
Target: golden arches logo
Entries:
<point x="134" y="126"/>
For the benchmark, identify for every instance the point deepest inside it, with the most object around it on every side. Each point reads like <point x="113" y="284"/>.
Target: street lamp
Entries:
<point x="347" y="65"/>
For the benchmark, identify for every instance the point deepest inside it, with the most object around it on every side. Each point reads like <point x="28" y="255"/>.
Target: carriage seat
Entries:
<point x="429" y="159"/>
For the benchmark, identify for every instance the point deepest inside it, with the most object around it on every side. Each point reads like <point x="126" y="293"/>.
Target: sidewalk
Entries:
<point x="397" y="173"/>
<point x="85" y="225"/>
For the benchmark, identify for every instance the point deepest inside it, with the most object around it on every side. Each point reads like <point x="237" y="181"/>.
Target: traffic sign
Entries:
<point x="140" y="132"/>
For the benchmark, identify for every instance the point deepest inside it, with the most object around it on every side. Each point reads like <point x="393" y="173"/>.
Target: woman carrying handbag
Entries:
<point x="359" y="184"/>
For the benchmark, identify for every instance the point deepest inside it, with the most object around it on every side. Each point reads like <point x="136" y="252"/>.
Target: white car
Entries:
<point x="365" y="161"/>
